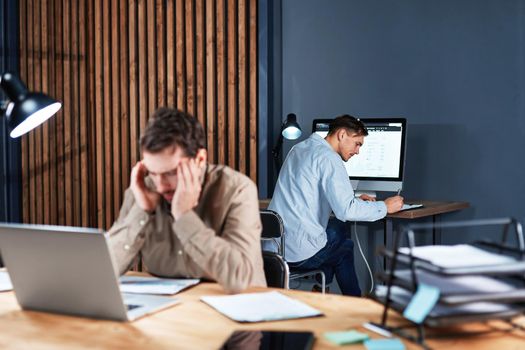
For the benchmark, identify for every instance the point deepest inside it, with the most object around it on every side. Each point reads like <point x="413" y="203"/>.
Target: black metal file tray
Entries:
<point x="455" y="306"/>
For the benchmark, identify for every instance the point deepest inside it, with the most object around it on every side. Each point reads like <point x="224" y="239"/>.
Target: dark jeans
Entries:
<point x="337" y="257"/>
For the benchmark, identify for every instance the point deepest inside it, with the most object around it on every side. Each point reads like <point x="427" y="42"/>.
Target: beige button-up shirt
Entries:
<point x="218" y="240"/>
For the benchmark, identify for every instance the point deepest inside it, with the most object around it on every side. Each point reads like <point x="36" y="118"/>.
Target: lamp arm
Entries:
<point x="277" y="149"/>
<point x="4" y="103"/>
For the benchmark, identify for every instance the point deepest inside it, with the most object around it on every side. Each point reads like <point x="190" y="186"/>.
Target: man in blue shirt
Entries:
<point x="312" y="184"/>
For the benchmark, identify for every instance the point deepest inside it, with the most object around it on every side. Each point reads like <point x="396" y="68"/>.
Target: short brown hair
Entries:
<point x="170" y="127"/>
<point x="349" y="123"/>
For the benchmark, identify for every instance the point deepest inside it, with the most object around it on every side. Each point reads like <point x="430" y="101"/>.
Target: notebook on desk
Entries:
<point x="69" y="270"/>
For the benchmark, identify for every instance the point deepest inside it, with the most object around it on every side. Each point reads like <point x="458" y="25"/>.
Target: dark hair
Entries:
<point x="170" y="127"/>
<point x="349" y="123"/>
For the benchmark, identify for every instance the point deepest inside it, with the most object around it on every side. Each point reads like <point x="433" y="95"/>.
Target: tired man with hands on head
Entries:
<point x="186" y="217"/>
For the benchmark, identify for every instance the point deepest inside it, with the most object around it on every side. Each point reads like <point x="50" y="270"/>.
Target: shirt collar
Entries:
<point x="317" y="138"/>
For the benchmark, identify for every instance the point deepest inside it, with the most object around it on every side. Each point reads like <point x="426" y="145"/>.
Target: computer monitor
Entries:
<point x="380" y="164"/>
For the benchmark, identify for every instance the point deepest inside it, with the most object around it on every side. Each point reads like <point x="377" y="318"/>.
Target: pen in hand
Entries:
<point x="399" y="191"/>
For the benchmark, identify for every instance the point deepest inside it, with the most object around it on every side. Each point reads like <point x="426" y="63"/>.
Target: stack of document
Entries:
<point x="257" y="307"/>
<point x="154" y="285"/>
<point x="403" y="297"/>
<point x="458" y="256"/>
<point x="448" y="285"/>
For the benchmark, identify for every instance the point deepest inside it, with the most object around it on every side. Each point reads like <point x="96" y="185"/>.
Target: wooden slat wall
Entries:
<point x="112" y="63"/>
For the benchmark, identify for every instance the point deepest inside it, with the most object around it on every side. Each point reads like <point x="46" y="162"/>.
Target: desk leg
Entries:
<point x="388" y="237"/>
<point x="436" y="231"/>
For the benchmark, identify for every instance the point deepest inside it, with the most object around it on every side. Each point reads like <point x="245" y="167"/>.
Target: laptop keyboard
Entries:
<point x="132" y="306"/>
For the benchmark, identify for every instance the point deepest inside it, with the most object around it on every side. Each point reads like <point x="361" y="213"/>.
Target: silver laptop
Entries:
<point x="69" y="270"/>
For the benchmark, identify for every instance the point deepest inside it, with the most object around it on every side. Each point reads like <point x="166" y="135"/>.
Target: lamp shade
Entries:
<point x="26" y="110"/>
<point x="291" y="129"/>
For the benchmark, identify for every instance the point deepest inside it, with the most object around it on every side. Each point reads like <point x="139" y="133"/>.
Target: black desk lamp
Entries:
<point x="24" y="110"/>
<point x="290" y="130"/>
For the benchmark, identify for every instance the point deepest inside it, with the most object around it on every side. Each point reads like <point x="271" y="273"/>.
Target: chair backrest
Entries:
<point x="272" y="224"/>
<point x="273" y="229"/>
<point x="275" y="270"/>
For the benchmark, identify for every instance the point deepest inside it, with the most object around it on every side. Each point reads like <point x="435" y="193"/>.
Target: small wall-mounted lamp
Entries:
<point x="24" y="110"/>
<point x="290" y="130"/>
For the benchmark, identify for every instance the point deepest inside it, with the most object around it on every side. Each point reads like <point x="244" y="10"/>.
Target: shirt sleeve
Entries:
<point x="339" y="193"/>
<point x="128" y="233"/>
<point x="226" y="256"/>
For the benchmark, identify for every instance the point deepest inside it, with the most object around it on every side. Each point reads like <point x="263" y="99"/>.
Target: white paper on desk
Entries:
<point x="154" y="285"/>
<point x="5" y="282"/>
<point x="458" y="256"/>
<point x="410" y="206"/>
<point x="257" y="307"/>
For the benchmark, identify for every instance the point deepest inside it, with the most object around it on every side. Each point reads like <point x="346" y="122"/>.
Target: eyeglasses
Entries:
<point x="168" y="175"/>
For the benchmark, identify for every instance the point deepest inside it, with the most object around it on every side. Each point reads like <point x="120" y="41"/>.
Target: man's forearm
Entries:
<point x="127" y="236"/>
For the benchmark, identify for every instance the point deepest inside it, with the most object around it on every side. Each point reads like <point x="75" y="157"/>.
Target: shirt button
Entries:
<point x="179" y="252"/>
<point x="142" y="222"/>
<point x="126" y="247"/>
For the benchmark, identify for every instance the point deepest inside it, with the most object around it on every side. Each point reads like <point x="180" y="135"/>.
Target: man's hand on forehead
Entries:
<point x="188" y="189"/>
<point x="145" y="198"/>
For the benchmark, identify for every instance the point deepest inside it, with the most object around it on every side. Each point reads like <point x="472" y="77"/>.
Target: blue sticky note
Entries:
<point x="422" y="303"/>
<point x="346" y="337"/>
<point x="384" y="344"/>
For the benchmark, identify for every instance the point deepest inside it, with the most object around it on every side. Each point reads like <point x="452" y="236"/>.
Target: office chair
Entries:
<point x="273" y="230"/>
<point x="275" y="270"/>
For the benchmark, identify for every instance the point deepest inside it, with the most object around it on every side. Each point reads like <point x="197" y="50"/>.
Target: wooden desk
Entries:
<point x="264" y="203"/>
<point x="194" y="325"/>
<point x="430" y="208"/>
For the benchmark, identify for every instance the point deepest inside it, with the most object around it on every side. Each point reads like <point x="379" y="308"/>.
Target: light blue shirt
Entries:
<point x="312" y="184"/>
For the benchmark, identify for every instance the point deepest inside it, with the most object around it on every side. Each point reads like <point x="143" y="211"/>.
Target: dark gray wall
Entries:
<point x="454" y="68"/>
<point x="9" y="148"/>
<point x="10" y="185"/>
<point x="270" y="92"/>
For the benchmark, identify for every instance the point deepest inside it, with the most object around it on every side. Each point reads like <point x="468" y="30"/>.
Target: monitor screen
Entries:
<point x="380" y="164"/>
